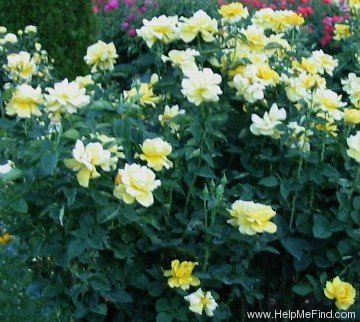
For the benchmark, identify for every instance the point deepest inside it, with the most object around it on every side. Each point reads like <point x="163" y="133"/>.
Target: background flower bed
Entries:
<point x="108" y="258"/>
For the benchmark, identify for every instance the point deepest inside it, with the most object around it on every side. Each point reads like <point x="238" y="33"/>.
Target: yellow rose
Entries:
<point x="201" y="86"/>
<point x="66" y="97"/>
<point x="252" y="218"/>
<point x="180" y="274"/>
<point x="101" y="56"/>
<point x="255" y="37"/>
<point x="342" y="292"/>
<point x="200" y="23"/>
<point x="329" y="102"/>
<point x="201" y="301"/>
<point x="86" y="159"/>
<point x="163" y="29"/>
<point x="84" y="81"/>
<point x="354" y="4"/>
<point x="20" y="66"/>
<point x="341" y="31"/>
<point x="5" y="239"/>
<point x="353" y="143"/>
<point x="233" y="12"/>
<point x="136" y="183"/>
<point x="25" y="102"/>
<point x="352" y="116"/>
<point x="169" y="114"/>
<point x="143" y="93"/>
<point x="155" y="152"/>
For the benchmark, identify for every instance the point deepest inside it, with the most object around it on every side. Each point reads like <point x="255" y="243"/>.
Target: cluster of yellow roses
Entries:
<point x="180" y="275"/>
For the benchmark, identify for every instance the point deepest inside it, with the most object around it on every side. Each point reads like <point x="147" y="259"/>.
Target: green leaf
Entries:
<point x="100" y="309"/>
<point x="270" y="181"/>
<point x="76" y="247"/>
<point x="321" y="227"/>
<point x="99" y="283"/>
<point x="19" y="205"/>
<point x="294" y="246"/>
<point x="48" y="163"/>
<point x="302" y="289"/>
<point x="164" y="317"/>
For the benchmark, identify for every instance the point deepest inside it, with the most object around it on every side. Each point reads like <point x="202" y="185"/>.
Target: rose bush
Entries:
<point x="223" y="179"/>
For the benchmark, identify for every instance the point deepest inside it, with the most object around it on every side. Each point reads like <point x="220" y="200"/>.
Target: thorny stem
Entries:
<point x="296" y="193"/>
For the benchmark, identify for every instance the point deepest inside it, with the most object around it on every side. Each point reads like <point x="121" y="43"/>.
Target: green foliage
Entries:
<point x="98" y="258"/>
<point x="15" y="301"/>
<point x="66" y="29"/>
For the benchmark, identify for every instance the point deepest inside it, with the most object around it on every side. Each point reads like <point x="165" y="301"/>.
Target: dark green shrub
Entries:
<point x="66" y="28"/>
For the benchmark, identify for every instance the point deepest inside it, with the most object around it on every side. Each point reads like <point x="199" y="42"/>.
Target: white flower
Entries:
<point x="66" y="97"/>
<point x="267" y="125"/>
<point x="11" y="38"/>
<point x="353" y="143"/>
<point x="30" y="29"/>
<point x="201" y="86"/>
<point x="200" y="301"/>
<point x="7" y="167"/>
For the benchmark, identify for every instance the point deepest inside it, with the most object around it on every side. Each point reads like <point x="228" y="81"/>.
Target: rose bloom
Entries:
<point x="201" y="86"/>
<point x="342" y="292"/>
<point x="200" y="301"/>
<point x="20" y="66"/>
<point x="143" y="93"/>
<point x="233" y="12"/>
<point x="180" y="274"/>
<point x="169" y="114"/>
<point x="155" y="152"/>
<point x="341" y="31"/>
<point x="267" y="125"/>
<point x="353" y="143"/>
<point x="86" y="159"/>
<point x="200" y="23"/>
<point x="25" y="102"/>
<point x="252" y="218"/>
<point x="84" y="81"/>
<point x="184" y="59"/>
<point x="330" y="102"/>
<point x="101" y="56"/>
<point x="352" y="116"/>
<point x="5" y="239"/>
<point x="66" y="97"/>
<point x="136" y="183"/>
<point x="163" y="29"/>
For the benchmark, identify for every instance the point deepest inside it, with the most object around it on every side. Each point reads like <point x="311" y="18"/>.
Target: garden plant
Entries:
<point x="216" y="174"/>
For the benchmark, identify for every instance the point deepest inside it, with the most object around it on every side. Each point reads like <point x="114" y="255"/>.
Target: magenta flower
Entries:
<point x="112" y="5"/>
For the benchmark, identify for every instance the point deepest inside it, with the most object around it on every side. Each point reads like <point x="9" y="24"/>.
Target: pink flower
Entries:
<point x="132" y="33"/>
<point x="130" y="3"/>
<point x="112" y="5"/>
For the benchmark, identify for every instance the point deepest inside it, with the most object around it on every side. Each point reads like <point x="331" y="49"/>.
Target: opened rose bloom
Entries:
<point x="180" y="274"/>
<point x="25" y="102"/>
<point x="101" y="56"/>
<point x="66" y="97"/>
<point x="86" y="159"/>
<point x="252" y="218"/>
<point x="20" y="65"/>
<point x="201" y="301"/>
<point x="201" y="86"/>
<point x="155" y="152"/>
<point x="136" y="183"/>
<point x="342" y="292"/>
